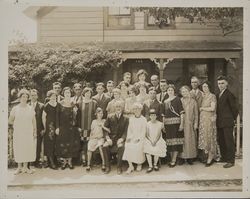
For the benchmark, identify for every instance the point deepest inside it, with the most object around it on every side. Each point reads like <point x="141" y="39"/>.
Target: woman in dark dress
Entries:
<point x="173" y="121"/>
<point x="49" y="122"/>
<point x="67" y="130"/>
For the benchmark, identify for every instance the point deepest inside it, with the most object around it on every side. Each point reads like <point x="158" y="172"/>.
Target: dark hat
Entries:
<point x="163" y="81"/>
<point x="152" y="111"/>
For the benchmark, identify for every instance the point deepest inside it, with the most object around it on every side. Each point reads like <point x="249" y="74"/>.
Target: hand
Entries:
<point x="201" y="109"/>
<point x="136" y="141"/>
<point x="79" y="130"/>
<point x="181" y="128"/>
<point x="57" y="131"/>
<point x="119" y="141"/>
<point x="105" y="144"/>
<point x="87" y="138"/>
<point x="153" y="143"/>
<point x="34" y="134"/>
<point x="128" y="140"/>
<point x="195" y="127"/>
<point x="42" y="132"/>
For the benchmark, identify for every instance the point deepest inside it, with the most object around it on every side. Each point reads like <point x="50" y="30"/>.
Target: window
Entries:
<point x="152" y="23"/>
<point x="119" y="18"/>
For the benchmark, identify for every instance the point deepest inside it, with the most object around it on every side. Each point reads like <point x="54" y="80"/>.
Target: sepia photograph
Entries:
<point x="109" y="99"/>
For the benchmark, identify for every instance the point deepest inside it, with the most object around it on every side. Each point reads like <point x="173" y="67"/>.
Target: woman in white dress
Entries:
<point x="133" y="152"/>
<point x="22" y="117"/>
<point x="154" y="145"/>
<point x="129" y="102"/>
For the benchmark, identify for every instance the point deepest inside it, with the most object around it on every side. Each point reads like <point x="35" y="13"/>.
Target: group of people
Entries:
<point x="133" y="123"/>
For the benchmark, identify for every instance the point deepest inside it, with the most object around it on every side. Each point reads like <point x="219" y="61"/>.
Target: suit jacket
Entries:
<point x="198" y="97"/>
<point x="227" y="109"/>
<point x="157" y="88"/>
<point x="161" y="98"/>
<point x="158" y="106"/>
<point x="39" y="112"/>
<point x="118" y="127"/>
<point x="102" y="103"/>
<point x="78" y="101"/>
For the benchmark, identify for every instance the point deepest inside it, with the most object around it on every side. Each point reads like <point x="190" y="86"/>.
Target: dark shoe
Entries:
<point x="156" y="168"/>
<point x="119" y="171"/>
<point x="208" y="164"/>
<point x="63" y="166"/>
<point x="38" y="165"/>
<point x="150" y="169"/>
<point x="181" y="161"/>
<point x="71" y="166"/>
<point x="46" y="164"/>
<point x="190" y="161"/>
<point x="84" y="163"/>
<point x="228" y="165"/>
<point x="107" y="171"/>
<point x="88" y="168"/>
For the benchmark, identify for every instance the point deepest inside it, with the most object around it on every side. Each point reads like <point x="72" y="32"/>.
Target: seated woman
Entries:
<point x="96" y="139"/>
<point x="154" y="144"/>
<point x="134" y="144"/>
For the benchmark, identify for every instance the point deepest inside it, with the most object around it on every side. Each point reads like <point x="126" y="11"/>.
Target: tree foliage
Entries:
<point x="39" y="65"/>
<point x="229" y="19"/>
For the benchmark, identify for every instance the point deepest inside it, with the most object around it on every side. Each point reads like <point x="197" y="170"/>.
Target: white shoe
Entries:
<point x="129" y="170"/>
<point x="139" y="167"/>
<point x="19" y="170"/>
<point x="28" y="171"/>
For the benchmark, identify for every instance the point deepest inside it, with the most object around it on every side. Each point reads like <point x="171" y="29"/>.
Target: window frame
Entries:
<point x="156" y="27"/>
<point x="128" y="27"/>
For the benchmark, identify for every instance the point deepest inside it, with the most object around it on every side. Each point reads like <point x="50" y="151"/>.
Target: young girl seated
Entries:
<point x="96" y="139"/>
<point x="154" y="145"/>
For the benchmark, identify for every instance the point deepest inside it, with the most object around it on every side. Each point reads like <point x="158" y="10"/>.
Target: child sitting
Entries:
<point x="96" y="139"/>
<point x="154" y="145"/>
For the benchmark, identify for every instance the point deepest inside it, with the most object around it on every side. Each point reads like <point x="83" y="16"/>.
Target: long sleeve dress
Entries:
<point x="135" y="140"/>
<point x="189" y="122"/>
<point x="174" y="138"/>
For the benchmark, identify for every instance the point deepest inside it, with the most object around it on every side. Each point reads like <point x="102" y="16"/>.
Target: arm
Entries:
<point x="57" y="119"/>
<point x="34" y="126"/>
<point x="232" y="103"/>
<point x="12" y="116"/>
<point x="212" y="105"/>
<point x="44" y="118"/>
<point x="196" y="115"/>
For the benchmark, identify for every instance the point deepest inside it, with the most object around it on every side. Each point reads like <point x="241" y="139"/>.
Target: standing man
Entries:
<point x="38" y="108"/>
<point x="227" y="113"/>
<point x="155" y="83"/>
<point x="162" y="96"/>
<point x="110" y="87"/>
<point x="196" y="93"/>
<point x="77" y="98"/>
<point x="118" y="125"/>
<point x="152" y="103"/>
<point x="101" y="99"/>
<point x="57" y="87"/>
<point x="127" y="78"/>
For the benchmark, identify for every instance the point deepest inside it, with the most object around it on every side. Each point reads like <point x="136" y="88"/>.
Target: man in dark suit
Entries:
<point x="162" y="96"/>
<point x="118" y="125"/>
<point x="57" y="86"/>
<point x="77" y="98"/>
<point x="101" y="99"/>
<point x="110" y="87"/>
<point x="38" y="107"/>
<point x="227" y="112"/>
<point x="155" y="83"/>
<point x="152" y="103"/>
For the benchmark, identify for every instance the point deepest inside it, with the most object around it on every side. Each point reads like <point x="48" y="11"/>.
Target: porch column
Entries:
<point x="115" y="74"/>
<point x="238" y="125"/>
<point x="161" y="64"/>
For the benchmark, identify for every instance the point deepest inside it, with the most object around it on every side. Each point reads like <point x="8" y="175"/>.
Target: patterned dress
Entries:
<point x="68" y="140"/>
<point x="189" y="122"/>
<point x="96" y="138"/>
<point x="207" y="127"/>
<point x="174" y="138"/>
